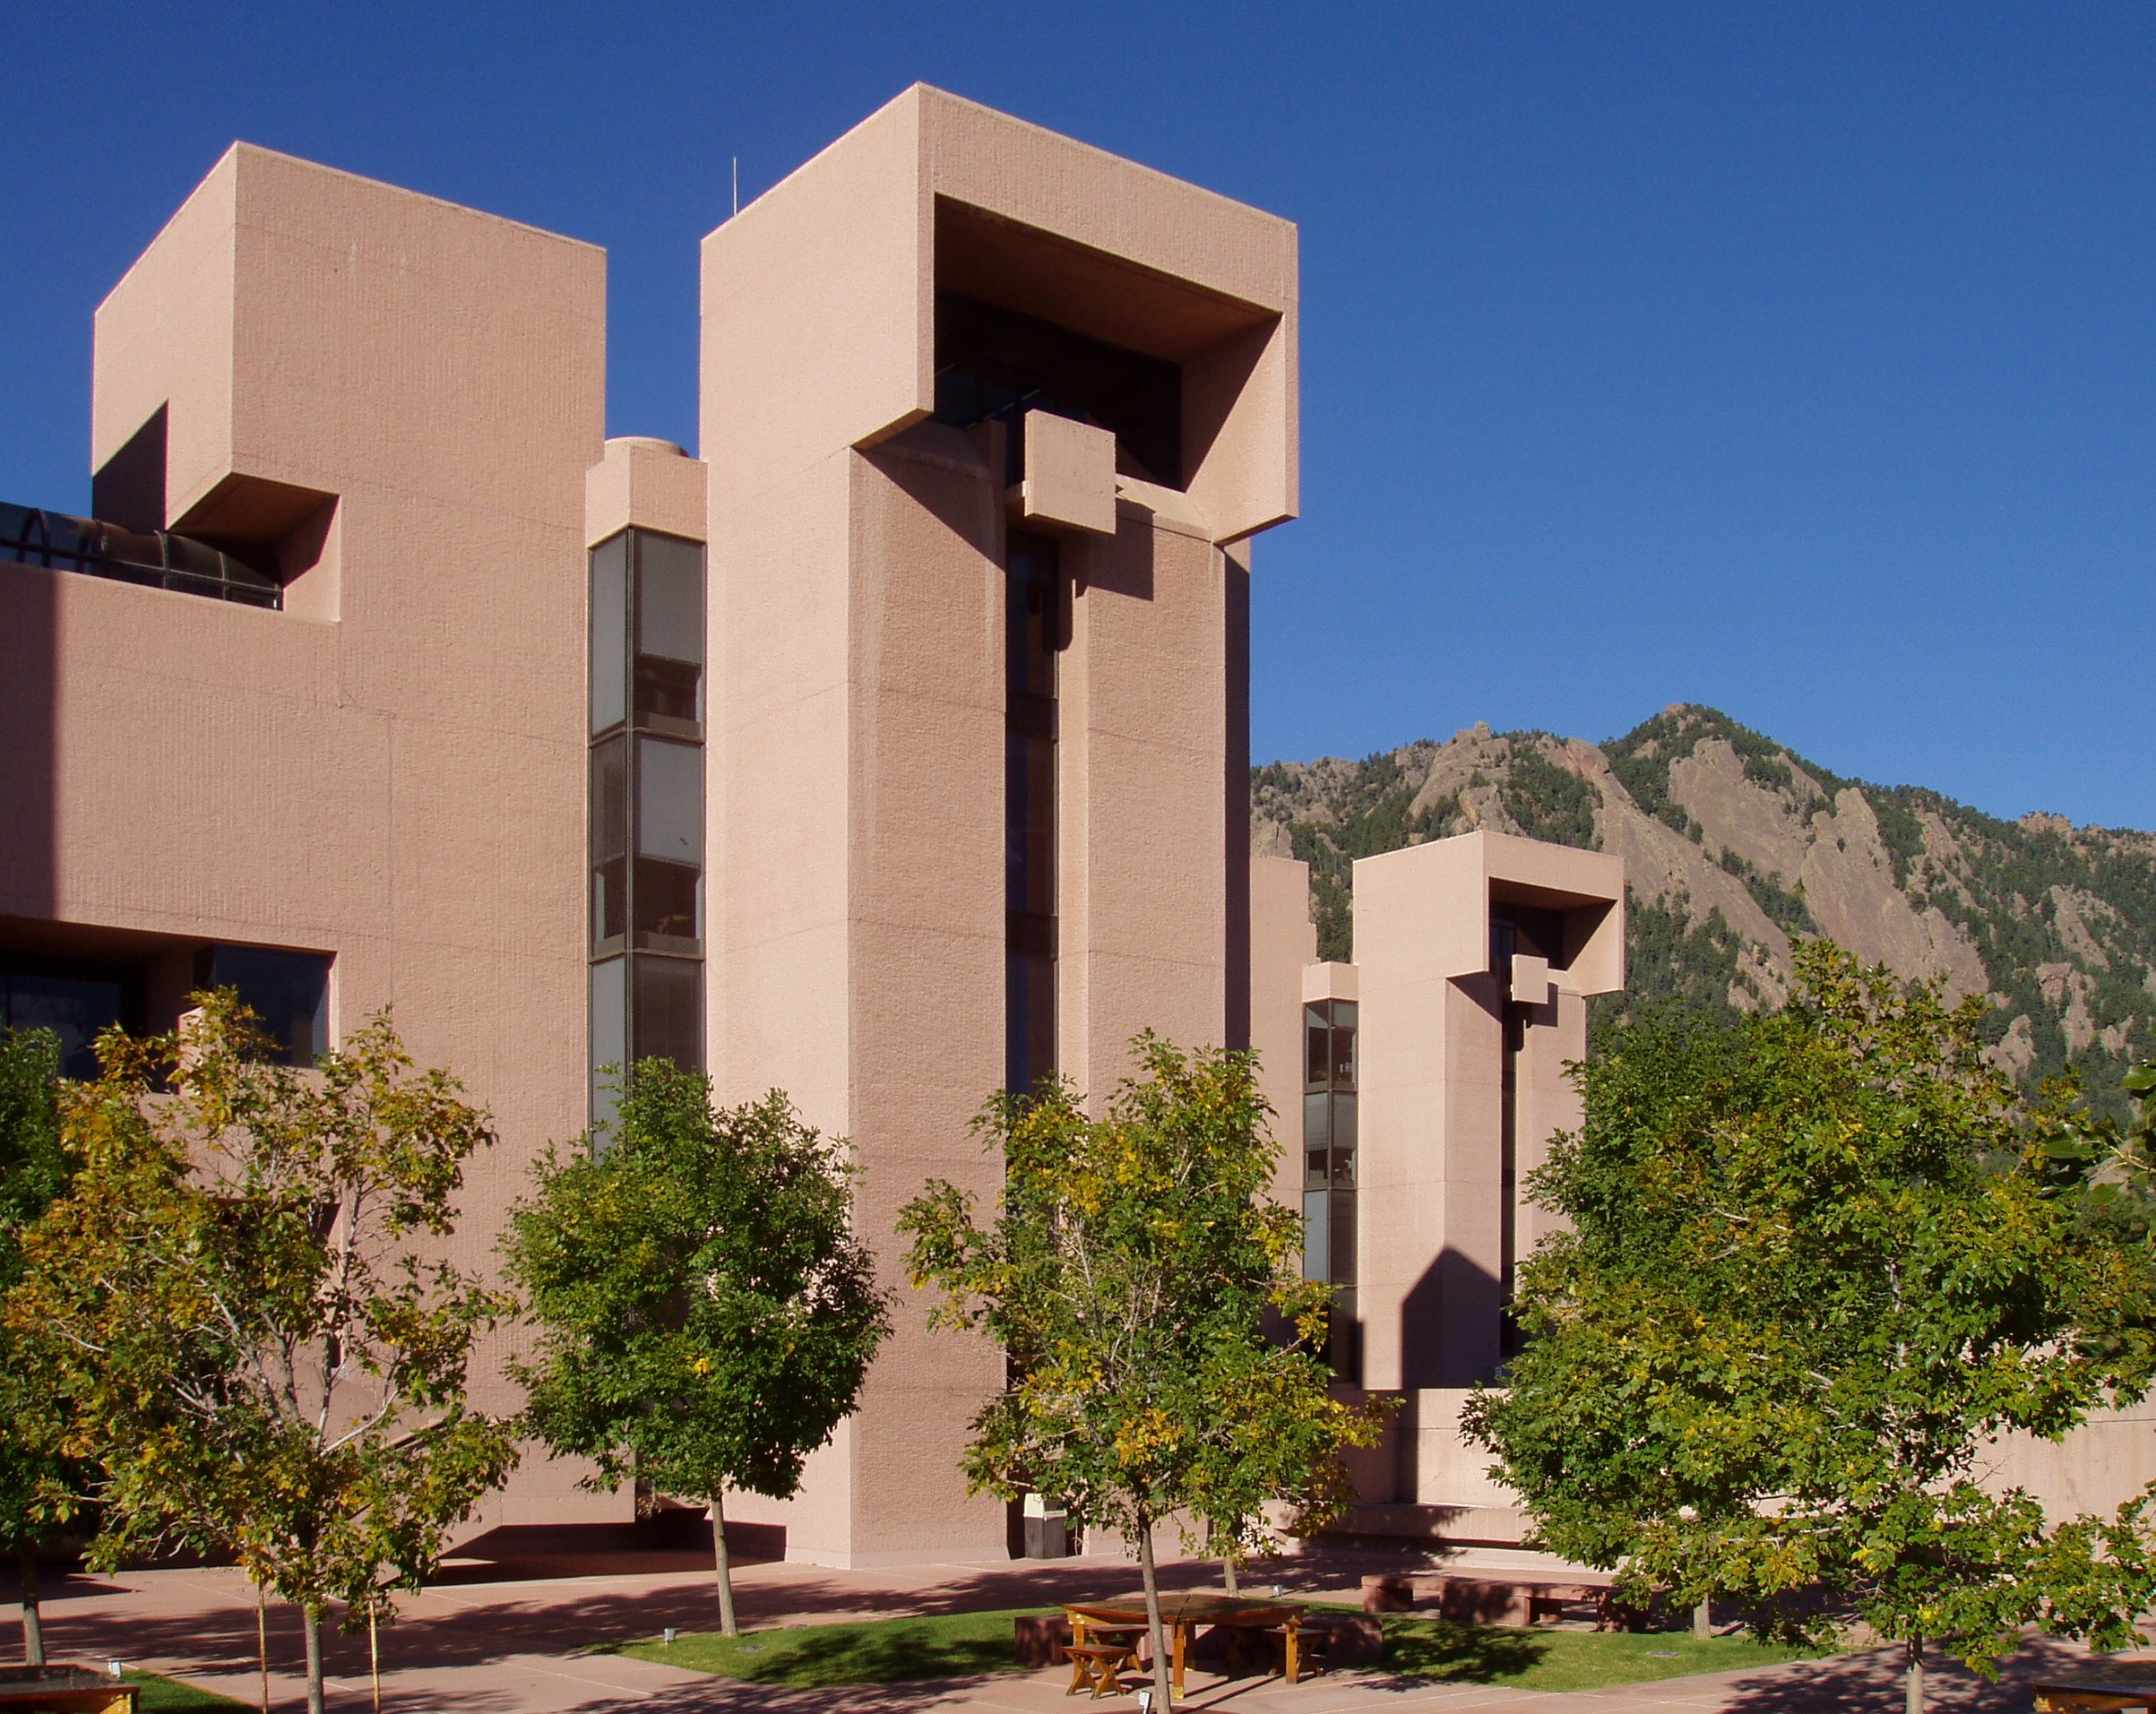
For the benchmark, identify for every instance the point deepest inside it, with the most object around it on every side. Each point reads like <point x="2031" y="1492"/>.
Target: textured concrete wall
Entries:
<point x="856" y="758"/>
<point x="392" y="769"/>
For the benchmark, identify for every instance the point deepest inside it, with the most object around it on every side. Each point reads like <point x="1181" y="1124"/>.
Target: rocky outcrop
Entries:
<point x="1735" y="849"/>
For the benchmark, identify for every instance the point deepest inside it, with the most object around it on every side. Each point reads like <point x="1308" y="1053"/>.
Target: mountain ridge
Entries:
<point x="1735" y="846"/>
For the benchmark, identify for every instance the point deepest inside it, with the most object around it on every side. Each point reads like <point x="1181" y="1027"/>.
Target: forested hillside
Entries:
<point x="1732" y="845"/>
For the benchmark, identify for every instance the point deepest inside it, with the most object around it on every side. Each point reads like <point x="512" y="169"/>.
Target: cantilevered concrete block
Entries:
<point x="1070" y="479"/>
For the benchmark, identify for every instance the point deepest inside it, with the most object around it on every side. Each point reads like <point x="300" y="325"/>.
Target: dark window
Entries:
<point x="152" y="559"/>
<point x="996" y="364"/>
<point x="610" y="632"/>
<point x="1035" y="632"/>
<point x="646" y="805"/>
<point x="610" y="828"/>
<point x="289" y="992"/>
<point x="1329" y="1173"/>
<point x="76" y="1008"/>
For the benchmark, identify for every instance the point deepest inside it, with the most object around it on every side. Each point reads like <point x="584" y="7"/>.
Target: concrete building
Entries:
<point x="891" y="752"/>
<point x="1426" y="1081"/>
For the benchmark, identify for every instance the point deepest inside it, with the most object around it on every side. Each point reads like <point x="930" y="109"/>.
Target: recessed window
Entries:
<point x="152" y="559"/>
<point x="287" y="991"/>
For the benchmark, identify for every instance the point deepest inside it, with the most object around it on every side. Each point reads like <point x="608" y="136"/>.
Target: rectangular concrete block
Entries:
<point x="1070" y="479"/>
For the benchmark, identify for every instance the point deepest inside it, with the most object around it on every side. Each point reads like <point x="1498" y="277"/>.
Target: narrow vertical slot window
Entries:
<point x="1034" y="635"/>
<point x="645" y="803"/>
<point x="1330" y="1207"/>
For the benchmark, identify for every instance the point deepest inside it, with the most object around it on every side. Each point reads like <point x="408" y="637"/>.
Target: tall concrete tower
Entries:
<point x="989" y="418"/>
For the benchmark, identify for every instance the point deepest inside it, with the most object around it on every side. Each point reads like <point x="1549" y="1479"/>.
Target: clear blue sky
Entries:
<point x="1797" y="359"/>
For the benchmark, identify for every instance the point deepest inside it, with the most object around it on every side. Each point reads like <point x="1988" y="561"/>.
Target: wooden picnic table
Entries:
<point x="66" y="1690"/>
<point x="2099" y="1687"/>
<point x="1182" y="1613"/>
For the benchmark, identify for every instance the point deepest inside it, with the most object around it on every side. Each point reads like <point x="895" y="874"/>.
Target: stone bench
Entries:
<point x="1490" y="1600"/>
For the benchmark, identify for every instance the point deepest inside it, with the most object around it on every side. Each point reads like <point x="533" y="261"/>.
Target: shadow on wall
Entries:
<point x="1449" y="1324"/>
<point x="29" y="694"/>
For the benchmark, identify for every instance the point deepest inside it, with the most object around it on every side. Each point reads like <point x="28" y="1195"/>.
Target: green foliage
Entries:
<point x="1785" y="909"/>
<point x="707" y="1315"/>
<point x="1127" y="1273"/>
<point x="1545" y="801"/>
<point x="1813" y="1266"/>
<point x="39" y="1483"/>
<point x="236" y="1299"/>
<point x="1373" y="814"/>
<point x="1672" y="960"/>
<point x="38" y="1486"/>
<point x="1641" y="760"/>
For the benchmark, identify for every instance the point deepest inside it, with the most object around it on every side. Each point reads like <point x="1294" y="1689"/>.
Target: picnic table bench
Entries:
<point x="64" y="1689"/>
<point x="2098" y="1688"/>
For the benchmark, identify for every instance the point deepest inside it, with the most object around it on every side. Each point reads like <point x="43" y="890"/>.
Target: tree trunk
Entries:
<point x="311" y="1617"/>
<point x="1228" y="1576"/>
<point x="33" y="1625"/>
<point x="1703" y="1619"/>
<point x="1163" y="1696"/>
<point x="374" y="1655"/>
<point x="1914" y="1699"/>
<point x="726" y="1626"/>
<point x="261" y="1641"/>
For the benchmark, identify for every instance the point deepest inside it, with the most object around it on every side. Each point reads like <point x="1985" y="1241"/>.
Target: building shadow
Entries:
<point x="29" y="733"/>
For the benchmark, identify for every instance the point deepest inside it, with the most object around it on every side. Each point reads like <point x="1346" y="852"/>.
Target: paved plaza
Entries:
<point x="522" y="1645"/>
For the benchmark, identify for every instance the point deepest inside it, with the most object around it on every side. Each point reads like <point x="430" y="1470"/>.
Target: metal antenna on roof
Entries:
<point x="736" y="183"/>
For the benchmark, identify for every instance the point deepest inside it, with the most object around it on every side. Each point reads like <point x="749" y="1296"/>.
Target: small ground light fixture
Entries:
<point x="115" y="1667"/>
<point x="669" y="1636"/>
<point x="1145" y="1702"/>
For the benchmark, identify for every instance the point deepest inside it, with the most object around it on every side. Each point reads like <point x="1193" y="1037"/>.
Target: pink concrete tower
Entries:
<point x="990" y="417"/>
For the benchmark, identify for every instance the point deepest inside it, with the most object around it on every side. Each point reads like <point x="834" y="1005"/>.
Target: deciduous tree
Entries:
<point x="706" y="1314"/>
<point x="1127" y="1272"/>
<point x="243" y="1298"/>
<point x="1815" y="1262"/>
<point x="38" y="1484"/>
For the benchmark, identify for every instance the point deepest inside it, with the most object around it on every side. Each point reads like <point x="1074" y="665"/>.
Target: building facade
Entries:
<point x="890" y="753"/>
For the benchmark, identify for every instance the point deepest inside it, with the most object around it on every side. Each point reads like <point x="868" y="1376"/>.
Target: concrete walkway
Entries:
<point x="516" y="1648"/>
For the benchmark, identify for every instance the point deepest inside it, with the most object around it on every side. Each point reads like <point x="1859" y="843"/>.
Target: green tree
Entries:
<point x="38" y="1484"/>
<point x="706" y="1314"/>
<point x="1127" y="1273"/>
<point x="237" y="1294"/>
<point x="1815" y="1262"/>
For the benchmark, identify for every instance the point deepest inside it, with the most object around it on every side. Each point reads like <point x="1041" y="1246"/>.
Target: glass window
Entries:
<point x="289" y="992"/>
<point x="669" y="596"/>
<point x="1317" y="1231"/>
<point x="610" y="838"/>
<point x="670" y="899"/>
<point x="1317" y="1121"/>
<point x="78" y="1009"/>
<point x="1341" y="1239"/>
<point x="1029" y="1019"/>
<point x="669" y="801"/>
<point x="1317" y="1059"/>
<point x="609" y="632"/>
<point x="610" y="1034"/>
<point x="670" y="1011"/>
<point x="1344" y="1122"/>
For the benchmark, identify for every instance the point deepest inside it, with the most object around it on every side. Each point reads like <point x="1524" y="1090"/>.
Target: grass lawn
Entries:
<point x="822" y="1656"/>
<point x="170" y="1696"/>
<point x="963" y="1645"/>
<point x="1540" y="1660"/>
